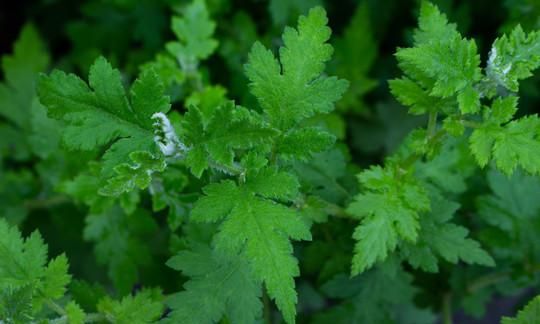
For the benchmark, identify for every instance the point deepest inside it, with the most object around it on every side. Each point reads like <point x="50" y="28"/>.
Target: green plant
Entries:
<point x="203" y="210"/>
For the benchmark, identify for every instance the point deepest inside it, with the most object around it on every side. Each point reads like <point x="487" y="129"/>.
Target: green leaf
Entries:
<point x="166" y="69"/>
<point x="234" y="291"/>
<point x="438" y="237"/>
<point x="293" y="88"/>
<point x="145" y="307"/>
<point x="74" y="313"/>
<point x="323" y="174"/>
<point x="20" y="71"/>
<point x="194" y="31"/>
<point x="16" y="304"/>
<point x="409" y="93"/>
<point x="469" y="101"/>
<point x="24" y="270"/>
<point x="86" y="295"/>
<point x="509" y="144"/>
<point x="528" y="315"/>
<point x="56" y="278"/>
<point x="453" y="65"/>
<point x="358" y="41"/>
<point x="301" y="144"/>
<point x="513" y="57"/>
<point x="450" y="169"/>
<point x="389" y="210"/>
<point x="100" y="113"/>
<point x="121" y="243"/>
<point x="230" y="128"/>
<point x="137" y="174"/>
<point x="208" y="100"/>
<point x="371" y="297"/>
<point x="441" y="66"/>
<point x="21" y="124"/>
<point x="509" y="209"/>
<point x="22" y="260"/>
<point x="273" y="184"/>
<point x="433" y="26"/>
<point x="45" y="136"/>
<point x="259" y="228"/>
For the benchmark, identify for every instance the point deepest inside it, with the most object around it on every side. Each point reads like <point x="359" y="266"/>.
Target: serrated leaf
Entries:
<point x="229" y="129"/>
<point x="235" y="292"/>
<point x="99" y="113"/>
<point x="20" y="70"/>
<point x="389" y="212"/>
<point x="510" y="145"/>
<point x="302" y="144"/>
<point x="137" y="174"/>
<point x="194" y="29"/>
<point x="469" y="100"/>
<point x="452" y="65"/>
<point x="293" y="88"/>
<point x="74" y="313"/>
<point x="513" y="57"/>
<point x="433" y="26"/>
<point x="260" y="229"/>
<point x="144" y="307"/>
<point x="509" y="209"/>
<point x="121" y="243"/>
<point x="22" y="261"/>
<point x="409" y="93"/>
<point x="357" y="41"/>
<point x="528" y="315"/>
<point x="371" y="297"/>
<point x="56" y="278"/>
<point x="440" y="238"/>
<point x="25" y="277"/>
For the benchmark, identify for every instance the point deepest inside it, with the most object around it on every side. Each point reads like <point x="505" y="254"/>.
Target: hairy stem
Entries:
<point x="55" y="307"/>
<point x="447" y="308"/>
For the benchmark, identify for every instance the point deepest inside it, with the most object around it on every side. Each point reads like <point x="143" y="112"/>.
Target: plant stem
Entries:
<point x="55" y="307"/>
<point x="45" y="203"/>
<point x="447" y="308"/>
<point x="470" y="124"/>
<point x="335" y="210"/>
<point x="487" y="280"/>
<point x="94" y="317"/>
<point x="432" y="124"/>
<point x="89" y="318"/>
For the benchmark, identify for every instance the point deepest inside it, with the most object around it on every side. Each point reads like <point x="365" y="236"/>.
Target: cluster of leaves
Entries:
<point x="202" y="209"/>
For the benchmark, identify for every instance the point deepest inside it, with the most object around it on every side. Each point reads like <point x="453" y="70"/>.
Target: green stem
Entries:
<point x="55" y="307"/>
<point x="89" y="318"/>
<point x="94" y="317"/>
<point x="335" y="210"/>
<point x="470" y="124"/>
<point x="45" y="203"/>
<point x="432" y="124"/>
<point x="495" y="278"/>
<point x="447" y="308"/>
<point x="411" y="159"/>
<point x="487" y="280"/>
